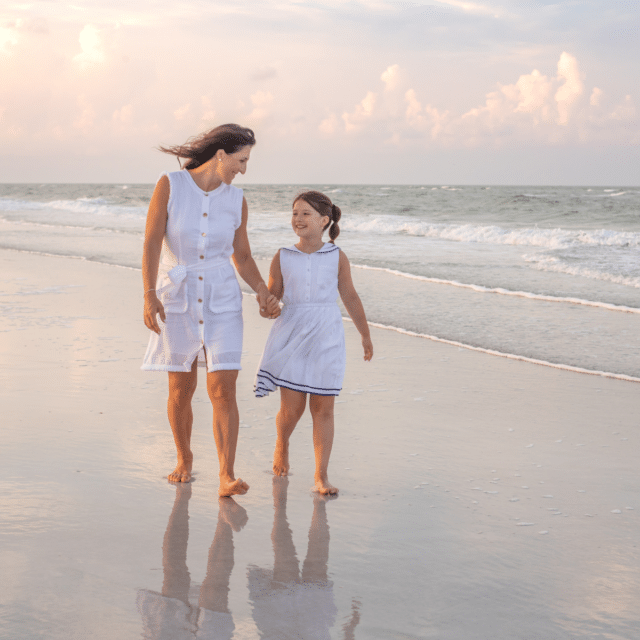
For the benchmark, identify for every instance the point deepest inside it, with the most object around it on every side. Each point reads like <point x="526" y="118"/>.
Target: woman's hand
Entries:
<point x="268" y="303"/>
<point x="368" y="348"/>
<point x="272" y="310"/>
<point x="153" y="307"/>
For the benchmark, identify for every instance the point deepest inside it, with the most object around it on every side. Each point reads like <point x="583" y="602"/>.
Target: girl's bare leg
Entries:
<point x="292" y="404"/>
<point x="322" y="414"/>
<point x="182" y="386"/>
<point x="221" y="386"/>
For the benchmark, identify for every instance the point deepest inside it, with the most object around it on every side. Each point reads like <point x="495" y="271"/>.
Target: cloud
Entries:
<point x="181" y="112"/>
<point x="38" y="25"/>
<point x="535" y="109"/>
<point x="361" y="114"/>
<point x="572" y="88"/>
<point x="391" y="77"/>
<point x="596" y="97"/>
<point x="261" y="101"/>
<point x="92" y="45"/>
<point x="8" y="40"/>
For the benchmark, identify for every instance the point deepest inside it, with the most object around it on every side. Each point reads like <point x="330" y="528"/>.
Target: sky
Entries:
<point x="441" y="92"/>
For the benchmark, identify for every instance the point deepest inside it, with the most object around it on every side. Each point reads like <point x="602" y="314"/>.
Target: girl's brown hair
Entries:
<point x="323" y="205"/>
<point x="201" y="148"/>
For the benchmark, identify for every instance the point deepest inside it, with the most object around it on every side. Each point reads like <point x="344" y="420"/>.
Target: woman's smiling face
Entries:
<point x="231" y="164"/>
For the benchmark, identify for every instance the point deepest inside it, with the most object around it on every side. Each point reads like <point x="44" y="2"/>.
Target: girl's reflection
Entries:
<point x="172" y="615"/>
<point x="288" y="603"/>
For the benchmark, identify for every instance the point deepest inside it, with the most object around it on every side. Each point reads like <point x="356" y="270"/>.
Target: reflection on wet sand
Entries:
<point x="288" y="603"/>
<point x="172" y="615"/>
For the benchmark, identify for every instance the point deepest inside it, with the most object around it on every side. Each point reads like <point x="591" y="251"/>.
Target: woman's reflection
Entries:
<point x="178" y="613"/>
<point x="288" y="603"/>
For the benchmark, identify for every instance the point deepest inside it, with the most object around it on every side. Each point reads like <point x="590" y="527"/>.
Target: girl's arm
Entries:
<point x="153" y="236"/>
<point x="247" y="268"/>
<point x="353" y="304"/>
<point x="276" y="283"/>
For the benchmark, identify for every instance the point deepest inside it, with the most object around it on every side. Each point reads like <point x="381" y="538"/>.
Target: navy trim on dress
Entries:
<point x="323" y="249"/>
<point x="303" y="388"/>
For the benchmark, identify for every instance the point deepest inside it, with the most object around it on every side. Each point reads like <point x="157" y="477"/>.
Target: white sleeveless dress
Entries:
<point x="305" y="350"/>
<point x="197" y="284"/>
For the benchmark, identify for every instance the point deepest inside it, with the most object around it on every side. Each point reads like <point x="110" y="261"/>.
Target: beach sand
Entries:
<point x="480" y="497"/>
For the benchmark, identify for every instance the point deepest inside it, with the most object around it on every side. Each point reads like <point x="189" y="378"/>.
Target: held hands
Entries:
<point x="368" y="348"/>
<point x="152" y="307"/>
<point x="268" y="303"/>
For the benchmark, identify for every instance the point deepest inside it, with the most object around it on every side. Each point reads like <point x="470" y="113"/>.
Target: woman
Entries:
<point x="201" y="221"/>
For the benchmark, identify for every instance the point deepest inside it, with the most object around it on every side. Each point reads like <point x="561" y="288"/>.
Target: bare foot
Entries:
<point x="182" y="473"/>
<point x="230" y="487"/>
<point x="281" y="458"/>
<point x="232" y="513"/>
<point x="324" y="487"/>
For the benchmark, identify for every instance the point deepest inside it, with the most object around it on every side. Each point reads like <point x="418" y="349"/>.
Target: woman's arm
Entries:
<point x="247" y="268"/>
<point x="153" y="236"/>
<point x="353" y="304"/>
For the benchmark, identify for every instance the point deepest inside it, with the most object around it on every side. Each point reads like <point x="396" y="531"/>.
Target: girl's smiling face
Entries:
<point x="307" y="223"/>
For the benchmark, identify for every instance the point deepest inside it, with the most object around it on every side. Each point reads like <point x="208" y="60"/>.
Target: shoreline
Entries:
<point x="264" y="265"/>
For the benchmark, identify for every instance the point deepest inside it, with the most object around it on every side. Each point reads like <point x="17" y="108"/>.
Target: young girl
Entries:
<point x="305" y="352"/>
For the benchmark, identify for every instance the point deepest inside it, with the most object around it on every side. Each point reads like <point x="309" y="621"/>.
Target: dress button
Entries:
<point x="199" y="299"/>
<point x="204" y="215"/>
<point x="204" y="234"/>
<point x="201" y="321"/>
<point x="206" y="195"/>
<point x="201" y="257"/>
<point x="199" y="277"/>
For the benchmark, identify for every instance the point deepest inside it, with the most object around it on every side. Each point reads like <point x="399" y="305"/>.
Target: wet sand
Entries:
<point x="480" y="497"/>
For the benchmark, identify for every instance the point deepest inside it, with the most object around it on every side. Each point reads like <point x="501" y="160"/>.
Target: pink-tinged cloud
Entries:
<point x="534" y="109"/>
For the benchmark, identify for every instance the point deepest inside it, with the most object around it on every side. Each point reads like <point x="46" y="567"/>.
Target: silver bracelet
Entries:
<point x="147" y="291"/>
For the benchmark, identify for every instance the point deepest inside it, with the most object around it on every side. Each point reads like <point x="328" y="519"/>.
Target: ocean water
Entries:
<point x="550" y="274"/>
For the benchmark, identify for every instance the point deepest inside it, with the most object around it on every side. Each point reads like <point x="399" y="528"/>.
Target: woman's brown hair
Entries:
<point x="323" y="205"/>
<point x="200" y="149"/>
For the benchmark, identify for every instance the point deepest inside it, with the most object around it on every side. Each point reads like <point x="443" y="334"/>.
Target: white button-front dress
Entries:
<point x="305" y="350"/>
<point x="197" y="284"/>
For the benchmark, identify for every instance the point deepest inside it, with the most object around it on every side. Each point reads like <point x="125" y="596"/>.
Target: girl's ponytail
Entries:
<point x="334" y="229"/>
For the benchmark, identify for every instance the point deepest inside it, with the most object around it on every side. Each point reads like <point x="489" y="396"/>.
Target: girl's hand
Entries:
<point x="368" y="348"/>
<point x="152" y="307"/>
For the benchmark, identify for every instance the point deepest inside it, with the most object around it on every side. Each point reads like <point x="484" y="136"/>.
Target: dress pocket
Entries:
<point x="225" y="294"/>
<point x="173" y="296"/>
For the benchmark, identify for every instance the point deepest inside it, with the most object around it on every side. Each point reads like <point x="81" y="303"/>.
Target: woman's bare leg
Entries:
<point x="182" y="386"/>
<point x="221" y="386"/>
<point x="292" y="404"/>
<point x="322" y="414"/>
